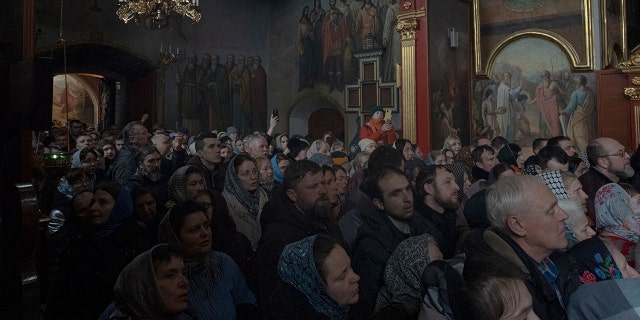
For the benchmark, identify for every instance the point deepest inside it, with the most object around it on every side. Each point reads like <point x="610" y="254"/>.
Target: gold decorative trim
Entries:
<point x="564" y="45"/>
<point x="407" y="5"/>
<point x="407" y="26"/>
<point x="636" y="110"/>
<point x="576" y="61"/>
<point x="636" y="81"/>
<point x="606" y="51"/>
<point x="632" y="93"/>
<point x="634" y="60"/>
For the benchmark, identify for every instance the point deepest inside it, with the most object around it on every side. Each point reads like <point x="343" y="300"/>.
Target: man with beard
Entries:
<point x="301" y="208"/>
<point x="609" y="162"/>
<point x="381" y="232"/>
<point x="436" y="187"/>
<point x="149" y="174"/>
<point x="216" y="79"/>
<point x="259" y="94"/>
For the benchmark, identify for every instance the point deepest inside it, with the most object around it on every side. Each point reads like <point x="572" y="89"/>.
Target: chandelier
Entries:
<point x="155" y="13"/>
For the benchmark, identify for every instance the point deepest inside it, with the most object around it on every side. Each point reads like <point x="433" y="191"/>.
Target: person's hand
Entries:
<point x="274" y="120"/>
<point x="178" y="141"/>
<point x="386" y="126"/>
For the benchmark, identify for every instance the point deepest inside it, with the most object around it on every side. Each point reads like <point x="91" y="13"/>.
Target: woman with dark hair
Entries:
<point x="577" y="166"/>
<point x="83" y="287"/>
<point x="342" y="181"/>
<point x="511" y="154"/>
<point x="217" y="289"/>
<point x="317" y="281"/>
<point x="245" y="198"/>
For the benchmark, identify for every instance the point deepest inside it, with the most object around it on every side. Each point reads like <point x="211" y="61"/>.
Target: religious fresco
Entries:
<point x="80" y="101"/>
<point x="331" y="33"/>
<point x="449" y="73"/>
<point x="533" y="92"/>
<point x="215" y="94"/>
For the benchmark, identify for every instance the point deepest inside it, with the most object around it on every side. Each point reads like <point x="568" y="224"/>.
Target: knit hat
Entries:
<point x="321" y="159"/>
<point x="221" y="134"/>
<point x="295" y="146"/>
<point x="364" y="143"/>
<point x="339" y="157"/>
<point x="232" y="130"/>
<point x="376" y="109"/>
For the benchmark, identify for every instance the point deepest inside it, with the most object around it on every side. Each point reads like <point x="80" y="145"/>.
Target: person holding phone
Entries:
<point x="379" y="128"/>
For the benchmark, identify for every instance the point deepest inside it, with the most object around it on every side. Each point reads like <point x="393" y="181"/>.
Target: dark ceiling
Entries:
<point x="98" y="59"/>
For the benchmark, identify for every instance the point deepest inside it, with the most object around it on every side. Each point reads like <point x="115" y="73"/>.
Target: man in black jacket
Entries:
<point x="381" y="232"/>
<point x="527" y="232"/>
<point x="299" y="210"/>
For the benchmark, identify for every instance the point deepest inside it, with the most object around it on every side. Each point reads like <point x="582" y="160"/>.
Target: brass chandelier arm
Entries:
<point x="157" y="12"/>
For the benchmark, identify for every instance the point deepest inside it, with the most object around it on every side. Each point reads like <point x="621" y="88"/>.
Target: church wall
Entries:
<point x="227" y="27"/>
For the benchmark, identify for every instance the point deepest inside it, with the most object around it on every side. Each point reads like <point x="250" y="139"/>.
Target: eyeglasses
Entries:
<point x="620" y="153"/>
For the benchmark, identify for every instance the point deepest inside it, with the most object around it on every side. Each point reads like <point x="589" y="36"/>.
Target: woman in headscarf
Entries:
<point x="217" y="289"/>
<point x="617" y="219"/>
<point x="158" y="276"/>
<point x="85" y="280"/>
<point x="597" y="260"/>
<point x="245" y="198"/>
<point x="577" y="227"/>
<point x="86" y="159"/>
<point x="185" y="184"/>
<point x="266" y="173"/>
<point x="317" y="281"/>
<point x="401" y="295"/>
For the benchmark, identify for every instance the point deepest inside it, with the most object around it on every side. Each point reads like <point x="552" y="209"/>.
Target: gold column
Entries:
<point x="407" y="26"/>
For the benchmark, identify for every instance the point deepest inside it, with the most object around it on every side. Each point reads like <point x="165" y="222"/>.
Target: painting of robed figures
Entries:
<point x="533" y="92"/>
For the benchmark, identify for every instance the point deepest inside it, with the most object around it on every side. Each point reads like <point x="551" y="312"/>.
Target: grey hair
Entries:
<point x="250" y="140"/>
<point x="505" y="197"/>
<point x="573" y="209"/>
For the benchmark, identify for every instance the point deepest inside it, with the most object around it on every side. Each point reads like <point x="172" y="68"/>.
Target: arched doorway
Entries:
<point x="126" y="89"/>
<point x="323" y="120"/>
<point x="314" y="115"/>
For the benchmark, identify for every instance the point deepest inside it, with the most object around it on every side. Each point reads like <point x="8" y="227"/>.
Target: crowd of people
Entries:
<point x="215" y="225"/>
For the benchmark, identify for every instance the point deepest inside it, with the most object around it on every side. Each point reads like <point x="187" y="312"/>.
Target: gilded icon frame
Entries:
<point x="558" y="28"/>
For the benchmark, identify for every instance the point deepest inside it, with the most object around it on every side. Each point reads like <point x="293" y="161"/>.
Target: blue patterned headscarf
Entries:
<point x="278" y="176"/>
<point x="296" y="267"/>
<point x="233" y="185"/>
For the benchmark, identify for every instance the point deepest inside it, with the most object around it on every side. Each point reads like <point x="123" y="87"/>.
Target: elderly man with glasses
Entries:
<point x="610" y="162"/>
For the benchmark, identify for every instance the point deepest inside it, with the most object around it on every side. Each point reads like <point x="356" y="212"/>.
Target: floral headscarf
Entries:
<point x="297" y="268"/>
<point x="403" y="273"/>
<point x="233" y="185"/>
<point x="617" y="213"/>
<point x="594" y="261"/>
